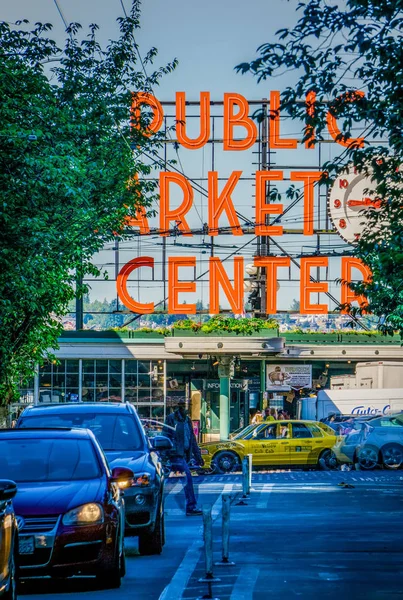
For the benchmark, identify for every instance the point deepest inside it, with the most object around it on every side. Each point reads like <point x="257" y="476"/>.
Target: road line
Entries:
<point x="245" y="583"/>
<point x="174" y="590"/>
<point x="267" y="489"/>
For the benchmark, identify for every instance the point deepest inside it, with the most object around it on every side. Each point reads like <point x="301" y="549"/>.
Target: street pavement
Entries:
<point x="315" y="534"/>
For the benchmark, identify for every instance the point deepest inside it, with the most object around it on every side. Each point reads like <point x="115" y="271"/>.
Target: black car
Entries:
<point x="8" y="541"/>
<point x="70" y="511"/>
<point x="121" y="435"/>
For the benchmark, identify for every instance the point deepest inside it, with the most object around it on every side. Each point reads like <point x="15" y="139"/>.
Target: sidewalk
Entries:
<point x="312" y="540"/>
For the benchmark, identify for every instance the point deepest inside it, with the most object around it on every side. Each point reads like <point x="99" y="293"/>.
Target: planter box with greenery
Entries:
<point x="226" y="326"/>
<point x="340" y="337"/>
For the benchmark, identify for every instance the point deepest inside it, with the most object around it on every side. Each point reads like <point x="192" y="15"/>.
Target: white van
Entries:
<point x="351" y="402"/>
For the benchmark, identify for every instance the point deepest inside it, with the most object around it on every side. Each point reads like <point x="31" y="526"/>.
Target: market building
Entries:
<point x="153" y="372"/>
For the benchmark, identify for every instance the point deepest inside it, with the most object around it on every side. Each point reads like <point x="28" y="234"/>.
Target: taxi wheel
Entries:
<point x="368" y="458"/>
<point x="225" y="462"/>
<point x="329" y="458"/>
<point x="392" y="456"/>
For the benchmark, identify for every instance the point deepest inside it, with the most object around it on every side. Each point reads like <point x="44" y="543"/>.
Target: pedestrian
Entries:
<point x="267" y="415"/>
<point x="273" y="413"/>
<point x="178" y="427"/>
<point x="280" y="415"/>
<point x="258" y="418"/>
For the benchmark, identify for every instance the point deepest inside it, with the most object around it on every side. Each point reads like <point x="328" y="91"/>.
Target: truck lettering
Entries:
<point x="362" y="410"/>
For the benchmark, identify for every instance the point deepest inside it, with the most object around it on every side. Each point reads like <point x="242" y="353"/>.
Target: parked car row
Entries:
<point x="359" y="440"/>
<point x="373" y="442"/>
<point x="86" y="476"/>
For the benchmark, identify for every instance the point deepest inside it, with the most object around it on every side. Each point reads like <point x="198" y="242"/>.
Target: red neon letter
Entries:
<point x="241" y="119"/>
<point x="271" y="264"/>
<point x="348" y="263"/>
<point x="218" y="203"/>
<point x="309" y="178"/>
<point x="183" y="139"/>
<point x="307" y="287"/>
<point x="139" y="98"/>
<point x="121" y="285"/>
<point x="263" y="209"/>
<point x="234" y="294"/>
<point x="176" y="214"/>
<point x="176" y="287"/>
<point x="274" y="138"/>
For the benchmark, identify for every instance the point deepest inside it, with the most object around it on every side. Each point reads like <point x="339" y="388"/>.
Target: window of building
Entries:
<point x="102" y="380"/>
<point x="59" y="382"/>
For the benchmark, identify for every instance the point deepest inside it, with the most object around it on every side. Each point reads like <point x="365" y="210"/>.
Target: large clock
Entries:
<point x="347" y="203"/>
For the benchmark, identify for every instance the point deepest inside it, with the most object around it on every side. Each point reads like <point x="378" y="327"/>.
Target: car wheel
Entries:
<point x="368" y="458"/>
<point x="392" y="456"/>
<point x="225" y="462"/>
<point x="110" y="577"/>
<point x="11" y="593"/>
<point x="152" y="543"/>
<point x="329" y="459"/>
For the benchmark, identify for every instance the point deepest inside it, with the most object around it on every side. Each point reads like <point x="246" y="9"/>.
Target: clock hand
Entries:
<point x="365" y="202"/>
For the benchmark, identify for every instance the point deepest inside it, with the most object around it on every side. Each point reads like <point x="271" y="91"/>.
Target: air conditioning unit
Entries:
<point x="173" y="384"/>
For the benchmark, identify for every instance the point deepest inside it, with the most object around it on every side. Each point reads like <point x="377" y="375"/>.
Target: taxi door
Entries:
<point x="302" y="450"/>
<point x="283" y="435"/>
<point x="263" y="444"/>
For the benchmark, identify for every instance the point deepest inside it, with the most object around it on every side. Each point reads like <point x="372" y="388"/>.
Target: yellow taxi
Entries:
<point x="272" y="443"/>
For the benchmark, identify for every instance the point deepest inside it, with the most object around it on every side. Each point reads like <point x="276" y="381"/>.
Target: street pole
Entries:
<point x="225" y="371"/>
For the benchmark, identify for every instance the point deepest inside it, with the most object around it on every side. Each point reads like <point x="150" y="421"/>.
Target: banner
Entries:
<point x="287" y="377"/>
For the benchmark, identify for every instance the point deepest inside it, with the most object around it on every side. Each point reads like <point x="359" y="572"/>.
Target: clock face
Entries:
<point x="347" y="203"/>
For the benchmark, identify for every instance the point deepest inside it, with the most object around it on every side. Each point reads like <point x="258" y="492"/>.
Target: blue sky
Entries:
<point x="208" y="38"/>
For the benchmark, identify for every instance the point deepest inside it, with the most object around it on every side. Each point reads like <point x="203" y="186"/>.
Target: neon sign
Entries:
<point x="235" y="115"/>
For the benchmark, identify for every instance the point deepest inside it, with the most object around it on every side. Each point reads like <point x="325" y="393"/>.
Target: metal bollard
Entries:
<point x="246" y="476"/>
<point x="208" y="540"/>
<point x="226" y="507"/>
<point x="208" y="550"/>
<point x="250" y="471"/>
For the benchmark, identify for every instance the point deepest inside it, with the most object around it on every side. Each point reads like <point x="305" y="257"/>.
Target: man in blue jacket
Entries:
<point x="180" y="430"/>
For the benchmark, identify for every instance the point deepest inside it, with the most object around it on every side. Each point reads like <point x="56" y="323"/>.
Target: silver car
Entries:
<point x="381" y="442"/>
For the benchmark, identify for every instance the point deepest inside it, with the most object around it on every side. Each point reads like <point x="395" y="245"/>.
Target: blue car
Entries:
<point x="69" y="506"/>
<point x="121" y="435"/>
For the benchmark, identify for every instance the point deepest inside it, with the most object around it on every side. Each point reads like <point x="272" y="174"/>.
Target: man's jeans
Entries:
<point x="180" y="464"/>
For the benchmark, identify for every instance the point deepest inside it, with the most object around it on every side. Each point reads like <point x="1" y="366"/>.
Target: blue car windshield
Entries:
<point x="24" y="460"/>
<point x="114" y="432"/>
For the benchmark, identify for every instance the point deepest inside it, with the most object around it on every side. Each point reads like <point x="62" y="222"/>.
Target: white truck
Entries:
<point x="351" y="402"/>
<point x="380" y="374"/>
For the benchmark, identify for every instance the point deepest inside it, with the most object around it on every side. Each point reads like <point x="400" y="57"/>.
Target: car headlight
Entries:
<point x="87" y="514"/>
<point x="204" y="451"/>
<point x="139" y="480"/>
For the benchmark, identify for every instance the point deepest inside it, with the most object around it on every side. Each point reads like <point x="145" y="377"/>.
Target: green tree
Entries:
<point x="336" y="50"/>
<point x="69" y="161"/>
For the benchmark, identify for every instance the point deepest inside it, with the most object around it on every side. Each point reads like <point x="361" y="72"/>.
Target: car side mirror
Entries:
<point x="121" y="474"/>
<point x="8" y="490"/>
<point x="161" y="442"/>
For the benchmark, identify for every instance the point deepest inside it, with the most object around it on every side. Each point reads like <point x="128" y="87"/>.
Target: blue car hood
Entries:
<point x="55" y="498"/>
<point x="137" y="461"/>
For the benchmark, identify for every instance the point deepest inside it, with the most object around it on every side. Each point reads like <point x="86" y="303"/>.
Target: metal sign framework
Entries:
<point x="264" y="159"/>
